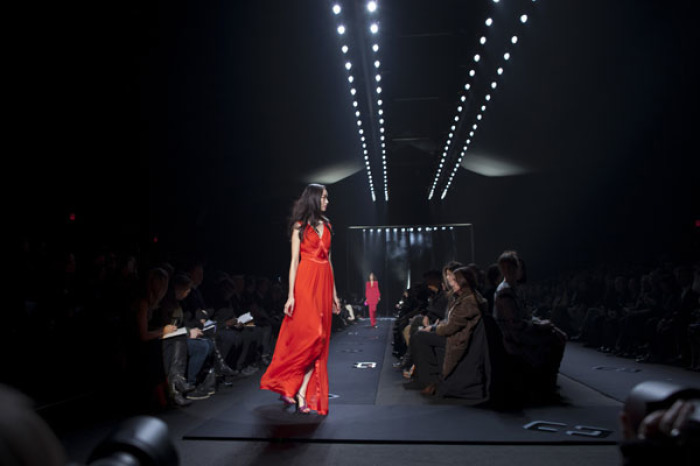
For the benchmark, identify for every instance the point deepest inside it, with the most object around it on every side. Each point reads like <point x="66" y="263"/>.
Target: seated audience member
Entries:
<point x="676" y="326"/>
<point x="413" y="302"/>
<point x="631" y="338"/>
<point x="197" y="313"/>
<point x="535" y="348"/>
<point x="658" y="328"/>
<point x="347" y="312"/>
<point x="259" y="300"/>
<point x="581" y="300"/>
<point x="493" y="278"/>
<point x="149" y="360"/>
<point x="559" y="308"/>
<point x="609" y="325"/>
<point x="433" y="313"/>
<point x="234" y="343"/>
<point x="450" y="360"/>
<point x="199" y="350"/>
<point x="252" y="333"/>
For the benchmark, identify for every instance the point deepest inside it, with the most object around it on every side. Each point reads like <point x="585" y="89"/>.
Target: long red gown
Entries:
<point x="303" y="339"/>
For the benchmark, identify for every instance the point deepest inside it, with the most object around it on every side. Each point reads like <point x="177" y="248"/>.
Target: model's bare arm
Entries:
<point x="336" y="301"/>
<point x="293" y="266"/>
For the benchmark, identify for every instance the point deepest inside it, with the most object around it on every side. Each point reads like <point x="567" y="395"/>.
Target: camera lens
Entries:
<point x="139" y="441"/>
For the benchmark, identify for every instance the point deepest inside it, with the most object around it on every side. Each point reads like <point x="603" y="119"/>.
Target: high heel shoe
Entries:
<point x="288" y="400"/>
<point x="302" y="407"/>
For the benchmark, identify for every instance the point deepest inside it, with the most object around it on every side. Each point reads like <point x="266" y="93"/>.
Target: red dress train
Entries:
<point x="303" y="339"/>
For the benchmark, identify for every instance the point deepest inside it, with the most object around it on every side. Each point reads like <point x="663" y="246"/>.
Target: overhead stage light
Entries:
<point x="447" y="159"/>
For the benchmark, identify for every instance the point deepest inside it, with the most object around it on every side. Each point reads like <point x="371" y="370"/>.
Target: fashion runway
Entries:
<point x="369" y="404"/>
<point x="374" y="418"/>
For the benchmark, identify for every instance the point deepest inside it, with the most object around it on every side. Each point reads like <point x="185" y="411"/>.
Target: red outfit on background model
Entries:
<point x="372" y="297"/>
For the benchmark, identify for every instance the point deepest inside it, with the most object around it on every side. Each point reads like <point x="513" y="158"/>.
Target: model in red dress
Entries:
<point x="298" y="371"/>
<point x="372" y="297"/>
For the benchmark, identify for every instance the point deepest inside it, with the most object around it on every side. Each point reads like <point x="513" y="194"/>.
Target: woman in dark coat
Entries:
<point x="464" y="368"/>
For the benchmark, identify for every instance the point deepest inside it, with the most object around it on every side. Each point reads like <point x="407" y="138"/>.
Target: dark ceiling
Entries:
<point x="199" y="122"/>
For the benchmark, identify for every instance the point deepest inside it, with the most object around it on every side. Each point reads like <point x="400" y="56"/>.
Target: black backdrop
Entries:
<point x="400" y="255"/>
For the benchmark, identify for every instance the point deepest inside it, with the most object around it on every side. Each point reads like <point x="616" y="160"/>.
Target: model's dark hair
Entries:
<point x="307" y="209"/>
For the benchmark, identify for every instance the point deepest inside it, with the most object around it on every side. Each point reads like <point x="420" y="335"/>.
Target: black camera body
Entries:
<point x="650" y="396"/>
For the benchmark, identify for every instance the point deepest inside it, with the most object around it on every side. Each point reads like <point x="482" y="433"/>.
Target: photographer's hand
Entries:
<point x="669" y="423"/>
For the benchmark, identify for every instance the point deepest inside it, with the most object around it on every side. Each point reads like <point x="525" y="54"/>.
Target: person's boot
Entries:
<point x="205" y="389"/>
<point x="220" y="365"/>
<point x="177" y="383"/>
<point x="179" y="400"/>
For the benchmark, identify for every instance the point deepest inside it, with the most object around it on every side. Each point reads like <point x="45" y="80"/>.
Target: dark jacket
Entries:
<point x="462" y="317"/>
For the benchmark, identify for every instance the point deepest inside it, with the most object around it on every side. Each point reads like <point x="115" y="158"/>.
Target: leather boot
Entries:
<point x="220" y="365"/>
<point x="178" y="368"/>
<point x="177" y="397"/>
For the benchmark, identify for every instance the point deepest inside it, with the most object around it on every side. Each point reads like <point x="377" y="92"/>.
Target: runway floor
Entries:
<point x="374" y="420"/>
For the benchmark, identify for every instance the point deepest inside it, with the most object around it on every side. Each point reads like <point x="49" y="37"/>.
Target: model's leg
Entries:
<point x="301" y="395"/>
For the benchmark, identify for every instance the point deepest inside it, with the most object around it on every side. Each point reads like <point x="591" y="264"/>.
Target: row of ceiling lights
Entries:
<point x="461" y="110"/>
<point x="409" y="229"/>
<point x="373" y="29"/>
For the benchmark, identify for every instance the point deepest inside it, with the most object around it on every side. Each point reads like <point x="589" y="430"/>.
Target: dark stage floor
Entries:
<point x="374" y="420"/>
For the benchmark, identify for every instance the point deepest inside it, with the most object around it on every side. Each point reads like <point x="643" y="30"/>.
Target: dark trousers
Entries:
<point x="230" y="343"/>
<point x="428" y="351"/>
<point x="416" y="322"/>
<point x="250" y="349"/>
<point x="199" y="350"/>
